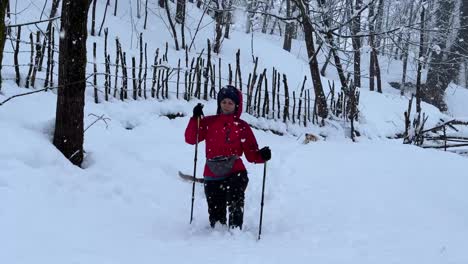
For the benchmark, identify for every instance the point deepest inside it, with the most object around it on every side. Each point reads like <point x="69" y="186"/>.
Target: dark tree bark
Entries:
<point x="3" y="31"/>
<point x="219" y="28"/>
<point x="227" y="22"/>
<point x="69" y="132"/>
<point x="379" y="22"/>
<point x="174" y="32"/>
<point x="374" y="68"/>
<point x="320" y="99"/>
<point x="266" y="17"/>
<point x="115" y="7"/>
<point x="53" y="12"/>
<point x="356" y="41"/>
<point x="462" y="47"/>
<point x="441" y="66"/>
<point x="406" y="50"/>
<point x="180" y="11"/>
<point x="276" y="20"/>
<point x="333" y="49"/>
<point x="93" y="18"/>
<point x="104" y="17"/>
<point x="289" y="28"/>
<point x="466" y="73"/>
<point x="146" y="14"/>
<point x="421" y="51"/>
<point x="459" y="53"/>
<point x="251" y="8"/>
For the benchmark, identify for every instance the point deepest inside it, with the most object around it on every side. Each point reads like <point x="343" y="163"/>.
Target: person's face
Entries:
<point x="227" y="106"/>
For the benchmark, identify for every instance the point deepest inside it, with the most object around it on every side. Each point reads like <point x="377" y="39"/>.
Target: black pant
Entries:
<point x="229" y="193"/>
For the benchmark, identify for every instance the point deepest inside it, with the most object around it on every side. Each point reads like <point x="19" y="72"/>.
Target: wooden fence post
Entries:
<point x="17" y="71"/>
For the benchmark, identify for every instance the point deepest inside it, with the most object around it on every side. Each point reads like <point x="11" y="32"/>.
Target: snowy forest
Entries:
<point x="362" y="102"/>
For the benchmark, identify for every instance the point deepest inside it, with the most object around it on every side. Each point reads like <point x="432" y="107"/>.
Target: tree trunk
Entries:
<point x="227" y="22"/>
<point x="288" y="32"/>
<point x="356" y="41"/>
<point x="421" y="50"/>
<point x="460" y="49"/>
<point x="466" y="73"/>
<point x="219" y="28"/>
<point x="69" y="132"/>
<point x="276" y="19"/>
<point x="406" y="50"/>
<point x="174" y="32"/>
<point x="266" y="18"/>
<point x="104" y="18"/>
<point x="320" y="99"/>
<point x="250" y="15"/>
<point x="379" y="22"/>
<point x="93" y="18"/>
<point x="180" y="11"/>
<point x="333" y="49"/>
<point x="3" y="31"/>
<point x="374" y="68"/>
<point x="441" y="66"/>
<point x="53" y="12"/>
<point x="377" y="73"/>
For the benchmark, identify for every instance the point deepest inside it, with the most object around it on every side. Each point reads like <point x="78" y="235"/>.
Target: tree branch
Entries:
<point x="35" y="22"/>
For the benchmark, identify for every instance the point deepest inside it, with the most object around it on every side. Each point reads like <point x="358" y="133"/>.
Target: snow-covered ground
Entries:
<point x="332" y="201"/>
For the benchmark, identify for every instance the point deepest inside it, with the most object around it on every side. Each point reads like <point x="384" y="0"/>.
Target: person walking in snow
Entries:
<point x="226" y="137"/>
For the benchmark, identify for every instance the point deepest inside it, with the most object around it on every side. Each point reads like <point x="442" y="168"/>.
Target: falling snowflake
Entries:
<point x="437" y="49"/>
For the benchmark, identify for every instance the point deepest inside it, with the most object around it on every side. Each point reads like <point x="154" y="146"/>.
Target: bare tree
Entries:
<point x="218" y="27"/>
<point x="441" y="65"/>
<point x="288" y="31"/>
<point x="405" y="50"/>
<point x="356" y="41"/>
<point x="115" y="7"/>
<point x="69" y="132"/>
<point x="374" y="68"/>
<point x="169" y="18"/>
<point x="420" y="62"/>
<point x="266" y="18"/>
<point x="104" y="17"/>
<point x="462" y="47"/>
<point x="465" y="66"/>
<point x="180" y="11"/>
<point x="228" y="18"/>
<point x="320" y="100"/>
<point x="325" y="7"/>
<point x="251" y="9"/>
<point x="93" y="19"/>
<point x="53" y="12"/>
<point x="3" y="31"/>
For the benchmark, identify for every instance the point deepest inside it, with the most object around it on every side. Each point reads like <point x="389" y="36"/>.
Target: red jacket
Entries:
<point x="225" y="135"/>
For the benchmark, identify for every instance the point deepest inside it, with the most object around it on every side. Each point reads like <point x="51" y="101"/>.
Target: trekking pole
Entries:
<point x="261" y="204"/>
<point x="194" y="169"/>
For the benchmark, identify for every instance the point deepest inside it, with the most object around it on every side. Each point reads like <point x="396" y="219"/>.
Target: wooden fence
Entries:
<point x="266" y="94"/>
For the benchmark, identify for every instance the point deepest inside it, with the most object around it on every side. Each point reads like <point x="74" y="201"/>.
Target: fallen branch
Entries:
<point x="23" y="94"/>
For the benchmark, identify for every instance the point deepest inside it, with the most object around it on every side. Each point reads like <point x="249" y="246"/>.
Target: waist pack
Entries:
<point x="222" y="165"/>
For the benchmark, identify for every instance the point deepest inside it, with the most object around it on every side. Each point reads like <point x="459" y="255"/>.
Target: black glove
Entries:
<point x="198" y="111"/>
<point x="265" y="153"/>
